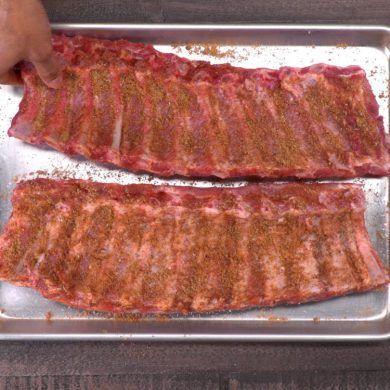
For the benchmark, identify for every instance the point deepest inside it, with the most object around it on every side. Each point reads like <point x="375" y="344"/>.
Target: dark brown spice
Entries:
<point x="162" y="118"/>
<point x="103" y="115"/>
<point x="49" y="316"/>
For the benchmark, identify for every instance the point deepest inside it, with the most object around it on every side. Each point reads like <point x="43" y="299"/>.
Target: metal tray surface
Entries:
<point x="25" y="314"/>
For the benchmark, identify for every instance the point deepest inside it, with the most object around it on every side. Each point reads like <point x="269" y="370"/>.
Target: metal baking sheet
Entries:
<point x="26" y="315"/>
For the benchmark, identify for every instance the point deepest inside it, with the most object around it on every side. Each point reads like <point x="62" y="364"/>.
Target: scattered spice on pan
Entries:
<point x="366" y="311"/>
<point x="373" y="72"/>
<point x="228" y="50"/>
<point x="49" y="316"/>
<point x="277" y="319"/>
<point x="380" y="235"/>
<point x="162" y="318"/>
<point x="129" y="317"/>
<point x="316" y="320"/>
<point x="341" y="45"/>
<point x="263" y="313"/>
<point x="210" y="50"/>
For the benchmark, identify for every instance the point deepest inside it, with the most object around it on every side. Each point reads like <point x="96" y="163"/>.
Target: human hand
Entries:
<point x="25" y="35"/>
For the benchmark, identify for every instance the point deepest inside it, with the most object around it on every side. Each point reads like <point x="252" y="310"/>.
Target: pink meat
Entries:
<point x="143" y="248"/>
<point x="128" y="104"/>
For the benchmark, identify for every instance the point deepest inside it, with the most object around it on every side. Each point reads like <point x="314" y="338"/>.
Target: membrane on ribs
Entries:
<point x="133" y="106"/>
<point x="143" y="248"/>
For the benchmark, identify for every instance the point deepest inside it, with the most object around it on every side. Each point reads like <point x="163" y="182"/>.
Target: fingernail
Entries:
<point x="56" y="83"/>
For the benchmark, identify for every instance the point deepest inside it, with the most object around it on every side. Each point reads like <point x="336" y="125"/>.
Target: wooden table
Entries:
<point x="202" y="365"/>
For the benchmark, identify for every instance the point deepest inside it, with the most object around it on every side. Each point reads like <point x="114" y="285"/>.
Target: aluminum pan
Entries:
<point x="356" y="317"/>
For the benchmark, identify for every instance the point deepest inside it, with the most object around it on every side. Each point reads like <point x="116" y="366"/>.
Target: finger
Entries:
<point x="48" y="67"/>
<point x="8" y="59"/>
<point x="11" y="77"/>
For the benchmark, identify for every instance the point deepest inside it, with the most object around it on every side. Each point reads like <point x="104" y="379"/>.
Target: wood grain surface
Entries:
<point x="206" y="381"/>
<point x="195" y="365"/>
<point x="92" y="365"/>
<point x="220" y="11"/>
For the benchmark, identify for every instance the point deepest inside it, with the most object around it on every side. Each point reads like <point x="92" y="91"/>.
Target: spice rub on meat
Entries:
<point x="130" y="105"/>
<point x="160" y="249"/>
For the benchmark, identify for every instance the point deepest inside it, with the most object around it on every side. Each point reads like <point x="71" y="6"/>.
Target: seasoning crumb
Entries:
<point x="129" y="317"/>
<point x="316" y="320"/>
<point x="177" y="46"/>
<point x="263" y="313"/>
<point x="277" y="319"/>
<point x="342" y="45"/>
<point x="49" y="316"/>
<point x="217" y="51"/>
<point x="162" y="318"/>
<point x="380" y="235"/>
<point x="212" y="50"/>
<point x="374" y="71"/>
<point x="2" y="311"/>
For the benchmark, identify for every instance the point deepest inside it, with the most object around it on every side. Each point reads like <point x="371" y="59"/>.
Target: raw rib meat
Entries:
<point x="130" y="105"/>
<point x="163" y="249"/>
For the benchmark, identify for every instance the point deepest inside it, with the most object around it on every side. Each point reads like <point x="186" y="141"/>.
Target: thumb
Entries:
<point x="48" y="67"/>
<point x="10" y="77"/>
<point x="8" y="74"/>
